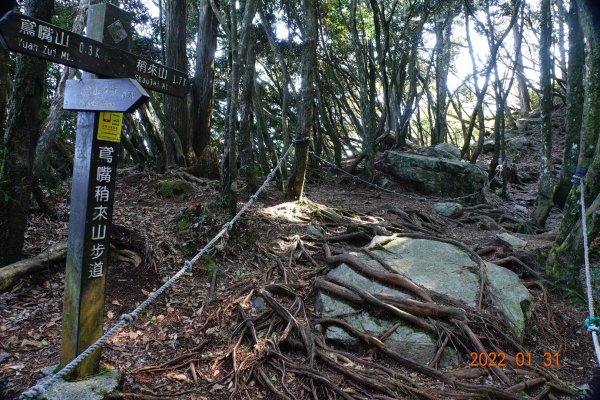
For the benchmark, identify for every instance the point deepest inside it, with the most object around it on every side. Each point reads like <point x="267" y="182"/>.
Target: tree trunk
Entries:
<point x="20" y="139"/>
<point x="574" y="113"/>
<point x="306" y="112"/>
<point x="175" y="45"/>
<point x="545" y="185"/>
<point x="158" y="142"/>
<point x="524" y="98"/>
<point x="4" y="87"/>
<point x="52" y="123"/>
<point x="443" y="32"/>
<point x="13" y="272"/>
<point x="204" y="79"/>
<point x="285" y="94"/>
<point x="246" y="118"/>
<point x="366" y="106"/>
<point x="169" y="133"/>
<point x="238" y="53"/>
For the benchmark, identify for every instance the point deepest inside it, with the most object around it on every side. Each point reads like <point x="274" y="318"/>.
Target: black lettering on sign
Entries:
<point x="35" y="37"/>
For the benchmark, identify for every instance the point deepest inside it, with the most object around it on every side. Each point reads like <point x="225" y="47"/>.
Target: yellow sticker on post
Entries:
<point x="109" y="126"/>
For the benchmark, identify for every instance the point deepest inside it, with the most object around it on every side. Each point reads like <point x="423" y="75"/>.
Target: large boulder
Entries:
<point x="436" y="176"/>
<point x="440" y="267"/>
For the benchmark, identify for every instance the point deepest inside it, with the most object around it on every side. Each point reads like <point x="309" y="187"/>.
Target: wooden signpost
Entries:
<point x="100" y="103"/>
<point x="35" y="37"/>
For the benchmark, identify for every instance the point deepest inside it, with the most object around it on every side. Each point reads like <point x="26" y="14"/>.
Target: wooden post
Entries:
<point x="92" y="195"/>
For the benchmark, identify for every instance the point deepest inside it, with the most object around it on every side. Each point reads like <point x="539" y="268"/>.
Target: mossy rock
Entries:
<point x="173" y="188"/>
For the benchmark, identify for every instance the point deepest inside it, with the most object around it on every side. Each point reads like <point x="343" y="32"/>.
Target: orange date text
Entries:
<point x="494" y="359"/>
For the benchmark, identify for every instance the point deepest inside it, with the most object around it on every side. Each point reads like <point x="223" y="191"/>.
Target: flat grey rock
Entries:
<point x="93" y="388"/>
<point x="437" y="266"/>
<point x="511" y="240"/>
<point x="450" y="210"/>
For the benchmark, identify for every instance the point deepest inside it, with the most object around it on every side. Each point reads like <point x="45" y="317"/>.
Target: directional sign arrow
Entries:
<point x="33" y="36"/>
<point x="117" y="95"/>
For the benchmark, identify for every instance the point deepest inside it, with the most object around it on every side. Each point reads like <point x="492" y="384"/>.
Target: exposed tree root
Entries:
<point x="281" y="346"/>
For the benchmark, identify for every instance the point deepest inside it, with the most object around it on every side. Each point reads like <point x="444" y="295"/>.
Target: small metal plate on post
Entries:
<point x="117" y="95"/>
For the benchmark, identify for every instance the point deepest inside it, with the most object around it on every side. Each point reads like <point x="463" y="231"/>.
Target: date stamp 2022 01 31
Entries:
<point x="501" y="359"/>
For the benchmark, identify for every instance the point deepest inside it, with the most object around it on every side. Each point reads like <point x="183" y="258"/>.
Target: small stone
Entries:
<point x="512" y="240"/>
<point x="450" y="210"/>
<point x="521" y="209"/>
<point x="4" y="356"/>
<point x="314" y="232"/>
<point x="259" y="303"/>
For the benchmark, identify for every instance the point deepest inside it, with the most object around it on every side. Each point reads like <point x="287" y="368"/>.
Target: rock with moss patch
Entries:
<point x="169" y="188"/>
<point x="436" y="176"/>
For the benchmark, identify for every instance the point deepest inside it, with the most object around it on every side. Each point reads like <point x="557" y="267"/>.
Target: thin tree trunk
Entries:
<point x="309" y="65"/>
<point x="443" y="45"/>
<point x="175" y="108"/>
<point x="136" y="136"/>
<point x="574" y="111"/>
<point x="285" y="92"/>
<point x="138" y="156"/>
<point x="20" y="139"/>
<point x="524" y="98"/>
<point x="246" y="117"/>
<point x="494" y="48"/>
<point x="204" y="79"/>
<point x="4" y="87"/>
<point x="263" y="133"/>
<point x="169" y="133"/>
<point x="162" y="159"/>
<point x="238" y="52"/>
<point x="545" y="185"/>
<point x="367" y="117"/>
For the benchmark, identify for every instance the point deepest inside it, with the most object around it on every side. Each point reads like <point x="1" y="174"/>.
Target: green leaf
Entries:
<point x="274" y="378"/>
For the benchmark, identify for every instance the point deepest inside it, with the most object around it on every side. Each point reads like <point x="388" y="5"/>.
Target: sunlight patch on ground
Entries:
<point x="290" y="211"/>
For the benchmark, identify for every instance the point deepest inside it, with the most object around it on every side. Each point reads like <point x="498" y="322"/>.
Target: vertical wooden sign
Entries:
<point x="94" y="173"/>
